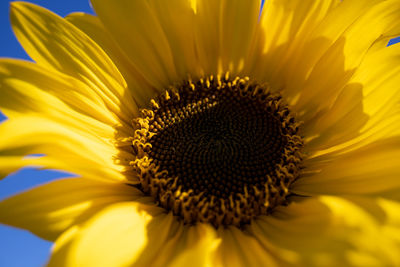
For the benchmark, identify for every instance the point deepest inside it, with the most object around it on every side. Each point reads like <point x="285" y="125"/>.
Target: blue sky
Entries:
<point x="19" y="248"/>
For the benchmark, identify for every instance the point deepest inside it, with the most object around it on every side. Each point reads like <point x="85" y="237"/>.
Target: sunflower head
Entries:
<point x="208" y="132"/>
<point x="219" y="151"/>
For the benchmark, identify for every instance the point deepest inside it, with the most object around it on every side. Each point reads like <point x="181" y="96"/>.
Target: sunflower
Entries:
<point x="208" y="133"/>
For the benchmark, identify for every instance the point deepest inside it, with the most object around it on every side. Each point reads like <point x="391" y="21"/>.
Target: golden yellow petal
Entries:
<point x="282" y="39"/>
<point x="27" y="88"/>
<point x="176" y="17"/>
<point x="372" y="229"/>
<point x="302" y="41"/>
<point x="348" y="34"/>
<point x="367" y="109"/>
<point x="239" y="248"/>
<point x="161" y="240"/>
<point x="61" y="247"/>
<point x="69" y="149"/>
<point x="370" y="169"/>
<point x="330" y="231"/>
<point x="50" y="209"/>
<point x="137" y="30"/>
<point x="224" y="34"/>
<point x="175" y="244"/>
<point x="113" y="237"/>
<point x="10" y="163"/>
<point x="34" y="97"/>
<point x="141" y="90"/>
<point x="56" y="44"/>
<point x="198" y="249"/>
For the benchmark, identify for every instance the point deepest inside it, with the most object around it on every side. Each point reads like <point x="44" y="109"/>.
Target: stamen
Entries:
<point x="221" y="151"/>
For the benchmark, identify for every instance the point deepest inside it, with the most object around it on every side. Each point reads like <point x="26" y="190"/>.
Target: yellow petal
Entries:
<point x="238" y="248"/>
<point x="27" y="88"/>
<point x="329" y="231"/>
<point x="62" y="246"/>
<point x="198" y="249"/>
<point x="224" y="34"/>
<point x="349" y="32"/>
<point x="29" y="92"/>
<point x="116" y="236"/>
<point x="367" y="109"/>
<point x="373" y="229"/>
<point x="176" y="17"/>
<point x="11" y="163"/>
<point x="161" y="240"/>
<point x="69" y="149"/>
<point x="302" y="41"/>
<point x="171" y="243"/>
<point x="370" y="169"/>
<point x="282" y="34"/>
<point x="50" y="209"/>
<point x="92" y="26"/>
<point x="56" y="44"/>
<point x="137" y="30"/>
<point x="364" y="119"/>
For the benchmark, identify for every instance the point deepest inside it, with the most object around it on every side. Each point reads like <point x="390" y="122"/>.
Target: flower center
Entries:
<point x="217" y="150"/>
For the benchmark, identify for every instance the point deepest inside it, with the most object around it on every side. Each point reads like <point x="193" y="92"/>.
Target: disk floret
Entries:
<point x="217" y="150"/>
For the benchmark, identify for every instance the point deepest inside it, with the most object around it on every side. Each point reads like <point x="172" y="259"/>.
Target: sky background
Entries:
<point x="19" y="248"/>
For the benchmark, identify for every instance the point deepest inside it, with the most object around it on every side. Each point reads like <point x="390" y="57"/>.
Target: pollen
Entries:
<point x="217" y="150"/>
